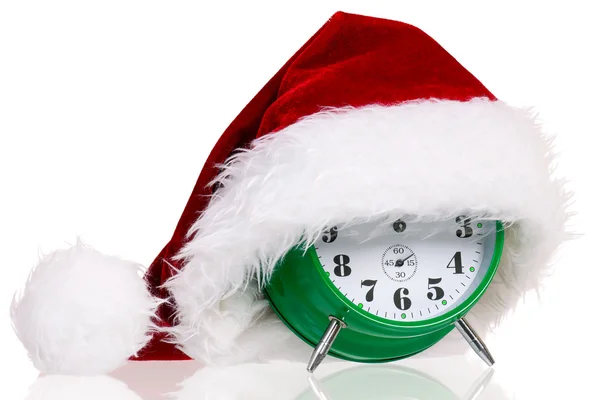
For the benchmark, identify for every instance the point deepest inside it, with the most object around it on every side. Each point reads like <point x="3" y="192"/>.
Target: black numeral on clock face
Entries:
<point x="457" y="263"/>
<point x="341" y="265"/>
<point x="401" y="300"/>
<point x="438" y="292"/>
<point x="330" y="235"/>
<point x="465" y="230"/>
<point x="415" y="286"/>
<point x="371" y="293"/>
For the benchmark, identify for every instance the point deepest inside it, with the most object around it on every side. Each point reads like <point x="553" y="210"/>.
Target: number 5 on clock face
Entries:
<point x="408" y="271"/>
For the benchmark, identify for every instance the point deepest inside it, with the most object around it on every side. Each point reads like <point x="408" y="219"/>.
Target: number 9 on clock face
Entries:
<point x="408" y="271"/>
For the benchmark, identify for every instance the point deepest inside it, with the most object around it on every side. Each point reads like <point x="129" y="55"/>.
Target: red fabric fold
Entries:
<point x="352" y="60"/>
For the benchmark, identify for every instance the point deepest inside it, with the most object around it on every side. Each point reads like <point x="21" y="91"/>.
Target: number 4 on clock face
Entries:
<point x="456" y="263"/>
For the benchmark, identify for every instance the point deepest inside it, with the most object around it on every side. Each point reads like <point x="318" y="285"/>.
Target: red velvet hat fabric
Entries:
<point x="357" y="61"/>
<point x="351" y="61"/>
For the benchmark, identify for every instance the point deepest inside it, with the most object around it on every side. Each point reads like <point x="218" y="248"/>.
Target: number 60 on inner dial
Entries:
<point x="378" y="293"/>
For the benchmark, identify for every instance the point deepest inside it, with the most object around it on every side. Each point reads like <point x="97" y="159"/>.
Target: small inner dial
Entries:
<point x="399" y="263"/>
<point x="408" y="271"/>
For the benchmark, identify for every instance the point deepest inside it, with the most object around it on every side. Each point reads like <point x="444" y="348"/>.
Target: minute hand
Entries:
<point x="412" y="254"/>
<point x="400" y="262"/>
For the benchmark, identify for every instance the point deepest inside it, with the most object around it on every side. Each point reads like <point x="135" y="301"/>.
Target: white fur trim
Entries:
<point x="424" y="160"/>
<point x="82" y="312"/>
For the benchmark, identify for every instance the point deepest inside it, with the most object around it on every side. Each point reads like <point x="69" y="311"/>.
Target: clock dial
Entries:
<point x="408" y="271"/>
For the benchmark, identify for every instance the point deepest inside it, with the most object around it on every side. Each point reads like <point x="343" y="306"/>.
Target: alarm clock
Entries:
<point x="377" y="292"/>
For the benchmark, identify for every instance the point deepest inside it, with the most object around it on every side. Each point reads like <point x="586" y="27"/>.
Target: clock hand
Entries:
<point x="408" y="257"/>
<point x="400" y="261"/>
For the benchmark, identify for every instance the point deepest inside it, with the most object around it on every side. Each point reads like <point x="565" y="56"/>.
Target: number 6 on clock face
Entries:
<point x="408" y="271"/>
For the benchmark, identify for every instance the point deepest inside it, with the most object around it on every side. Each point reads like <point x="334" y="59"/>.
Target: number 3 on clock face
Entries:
<point x="408" y="271"/>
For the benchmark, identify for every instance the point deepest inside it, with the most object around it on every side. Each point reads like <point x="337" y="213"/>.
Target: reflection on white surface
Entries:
<point x="388" y="383"/>
<point x="316" y="388"/>
<point x="449" y="378"/>
<point x="154" y="380"/>
<point x="479" y="385"/>
<point x="72" y="387"/>
<point x="135" y="381"/>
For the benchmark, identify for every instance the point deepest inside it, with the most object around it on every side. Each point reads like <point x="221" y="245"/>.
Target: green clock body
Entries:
<point x="308" y="286"/>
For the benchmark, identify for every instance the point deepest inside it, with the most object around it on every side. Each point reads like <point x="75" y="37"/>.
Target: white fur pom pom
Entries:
<point x="82" y="312"/>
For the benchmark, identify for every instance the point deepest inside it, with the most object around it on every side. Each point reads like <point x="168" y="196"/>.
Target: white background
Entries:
<point x="109" y="109"/>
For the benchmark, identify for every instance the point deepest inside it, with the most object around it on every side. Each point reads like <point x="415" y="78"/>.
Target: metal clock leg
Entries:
<point x="325" y="343"/>
<point x="474" y="341"/>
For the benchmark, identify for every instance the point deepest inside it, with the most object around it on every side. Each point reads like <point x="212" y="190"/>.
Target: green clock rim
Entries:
<point x="441" y="320"/>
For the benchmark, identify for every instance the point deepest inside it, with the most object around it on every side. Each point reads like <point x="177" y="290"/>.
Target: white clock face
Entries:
<point x="408" y="271"/>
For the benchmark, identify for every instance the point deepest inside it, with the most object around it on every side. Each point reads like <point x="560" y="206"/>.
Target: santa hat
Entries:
<point x="370" y="118"/>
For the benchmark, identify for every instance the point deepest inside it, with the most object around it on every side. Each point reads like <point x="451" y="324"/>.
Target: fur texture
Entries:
<point x="82" y="312"/>
<point x="422" y="160"/>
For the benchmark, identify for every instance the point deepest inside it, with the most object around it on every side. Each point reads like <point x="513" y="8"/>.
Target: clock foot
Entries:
<point x="474" y="341"/>
<point x="325" y="343"/>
